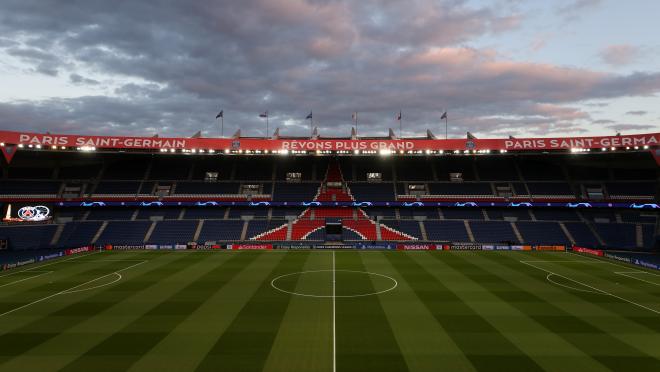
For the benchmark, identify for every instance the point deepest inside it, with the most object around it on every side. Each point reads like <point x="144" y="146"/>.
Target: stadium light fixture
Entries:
<point x="2" y="144"/>
<point x="603" y="149"/>
<point x="38" y="146"/>
<point x="627" y="147"/>
<point x="612" y="148"/>
<point x="54" y="147"/>
<point x="20" y="145"/>
<point x="226" y="151"/>
<point x="646" y="147"/>
<point x="30" y="146"/>
<point x="62" y="148"/>
<point x="385" y="152"/>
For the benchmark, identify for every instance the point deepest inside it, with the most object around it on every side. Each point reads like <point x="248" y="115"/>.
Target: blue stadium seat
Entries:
<point x="549" y="233"/>
<point x="446" y="231"/>
<point x="493" y="232"/>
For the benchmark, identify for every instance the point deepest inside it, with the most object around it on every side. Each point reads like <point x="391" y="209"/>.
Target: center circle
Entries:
<point x="343" y="283"/>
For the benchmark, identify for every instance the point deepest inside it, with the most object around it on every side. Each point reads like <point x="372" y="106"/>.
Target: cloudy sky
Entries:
<point x="500" y="67"/>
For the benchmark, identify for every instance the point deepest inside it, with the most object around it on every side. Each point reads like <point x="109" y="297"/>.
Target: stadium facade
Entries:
<point x="68" y="191"/>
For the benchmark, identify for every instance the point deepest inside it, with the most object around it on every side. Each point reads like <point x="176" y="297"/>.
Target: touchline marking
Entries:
<point x="594" y="288"/>
<point x="28" y="278"/>
<point x="73" y="289"/>
<point x="627" y="274"/>
<point x="50" y="263"/>
<point x="334" y="324"/>
<point x="607" y="261"/>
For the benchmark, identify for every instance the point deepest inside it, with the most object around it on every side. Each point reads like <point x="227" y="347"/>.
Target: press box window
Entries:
<point x="417" y="189"/>
<point x="374" y="177"/>
<point x="211" y="176"/>
<point x="249" y="189"/>
<point x="293" y="176"/>
<point x="456" y="177"/>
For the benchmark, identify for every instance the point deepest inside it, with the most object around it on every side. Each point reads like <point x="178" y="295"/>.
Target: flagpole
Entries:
<point x="222" y="126"/>
<point x="446" y="120"/>
<point x="356" y="123"/>
<point x="400" y="124"/>
<point x="267" y="127"/>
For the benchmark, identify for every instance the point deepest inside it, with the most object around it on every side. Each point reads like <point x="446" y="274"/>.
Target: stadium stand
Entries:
<point x="520" y="177"/>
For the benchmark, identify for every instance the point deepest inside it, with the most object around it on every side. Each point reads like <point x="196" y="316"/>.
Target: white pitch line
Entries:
<point x="56" y="261"/>
<point x="608" y="261"/>
<point x="334" y="324"/>
<point x="69" y="290"/>
<point x="594" y="288"/>
<point x="28" y="278"/>
<point x="567" y="286"/>
<point x="626" y="273"/>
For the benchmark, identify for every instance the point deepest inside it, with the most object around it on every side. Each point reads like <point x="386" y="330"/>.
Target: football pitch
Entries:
<point x="329" y="311"/>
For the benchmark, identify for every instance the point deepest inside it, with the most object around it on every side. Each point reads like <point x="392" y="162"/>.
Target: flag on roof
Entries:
<point x="264" y="114"/>
<point x="309" y="116"/>
<point x="220" y="114"/>
<point x="444" y="115"/>
<point x="398" y="117"/>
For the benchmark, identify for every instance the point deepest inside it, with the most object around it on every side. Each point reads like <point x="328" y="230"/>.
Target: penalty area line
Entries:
<point x="601" y="291"/>
<point x="74" y="288"/>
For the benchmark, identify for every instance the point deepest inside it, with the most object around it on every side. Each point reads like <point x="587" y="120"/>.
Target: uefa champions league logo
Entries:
<point x="235" y="145"/>
<point x="470" y="145"/>
<point x="36" y="213"/>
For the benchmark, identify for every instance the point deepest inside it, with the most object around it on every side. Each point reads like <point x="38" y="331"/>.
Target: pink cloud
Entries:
<point x="619" y="55"/>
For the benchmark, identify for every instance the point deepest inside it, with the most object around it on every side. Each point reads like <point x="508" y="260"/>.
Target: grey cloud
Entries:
<point x="189" y="60"/>
<point x="78" y="79"/>
<point x="620" y="54"/>
<point x="637" y="113"/>
<point x="632" y="127"/>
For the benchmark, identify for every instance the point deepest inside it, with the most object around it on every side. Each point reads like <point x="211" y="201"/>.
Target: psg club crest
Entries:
<point x="470" y="145"/>
<point x="235" y="145"/>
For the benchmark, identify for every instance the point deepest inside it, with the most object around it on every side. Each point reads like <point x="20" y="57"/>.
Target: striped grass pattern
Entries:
<point x="327" y="311"/>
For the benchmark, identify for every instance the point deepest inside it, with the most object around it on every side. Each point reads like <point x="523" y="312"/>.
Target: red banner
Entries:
<point x="250" y="246"/>
<point x="417" y="247"/>
<point x="595" y="252"/>
<point x="253" y="144"/>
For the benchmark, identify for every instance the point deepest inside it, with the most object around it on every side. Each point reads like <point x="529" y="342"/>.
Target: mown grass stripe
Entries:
<point x="485" y="347"/>
<point x="66" y="275"/>
<point x="647" y="320"/>
<point x="304" y="340"/>
<point x="555" y="320"/>
<point x="595" y="342"/>
<point x="365" y="341"/>
<point x="187" y="344"/>
<point x="139" y="336"/>
<point x="246" y="343"/>
<point x="424" y="343"/>
<point x="21" y="340"/>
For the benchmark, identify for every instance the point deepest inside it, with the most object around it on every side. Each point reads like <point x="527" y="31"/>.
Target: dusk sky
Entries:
<point x="507" y="67"/>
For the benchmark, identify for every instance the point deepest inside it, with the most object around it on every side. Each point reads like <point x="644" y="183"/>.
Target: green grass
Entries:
<point x="217" y="311"/>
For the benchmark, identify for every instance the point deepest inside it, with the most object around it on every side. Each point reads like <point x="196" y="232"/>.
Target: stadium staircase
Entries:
<point x="311" y="220"/>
